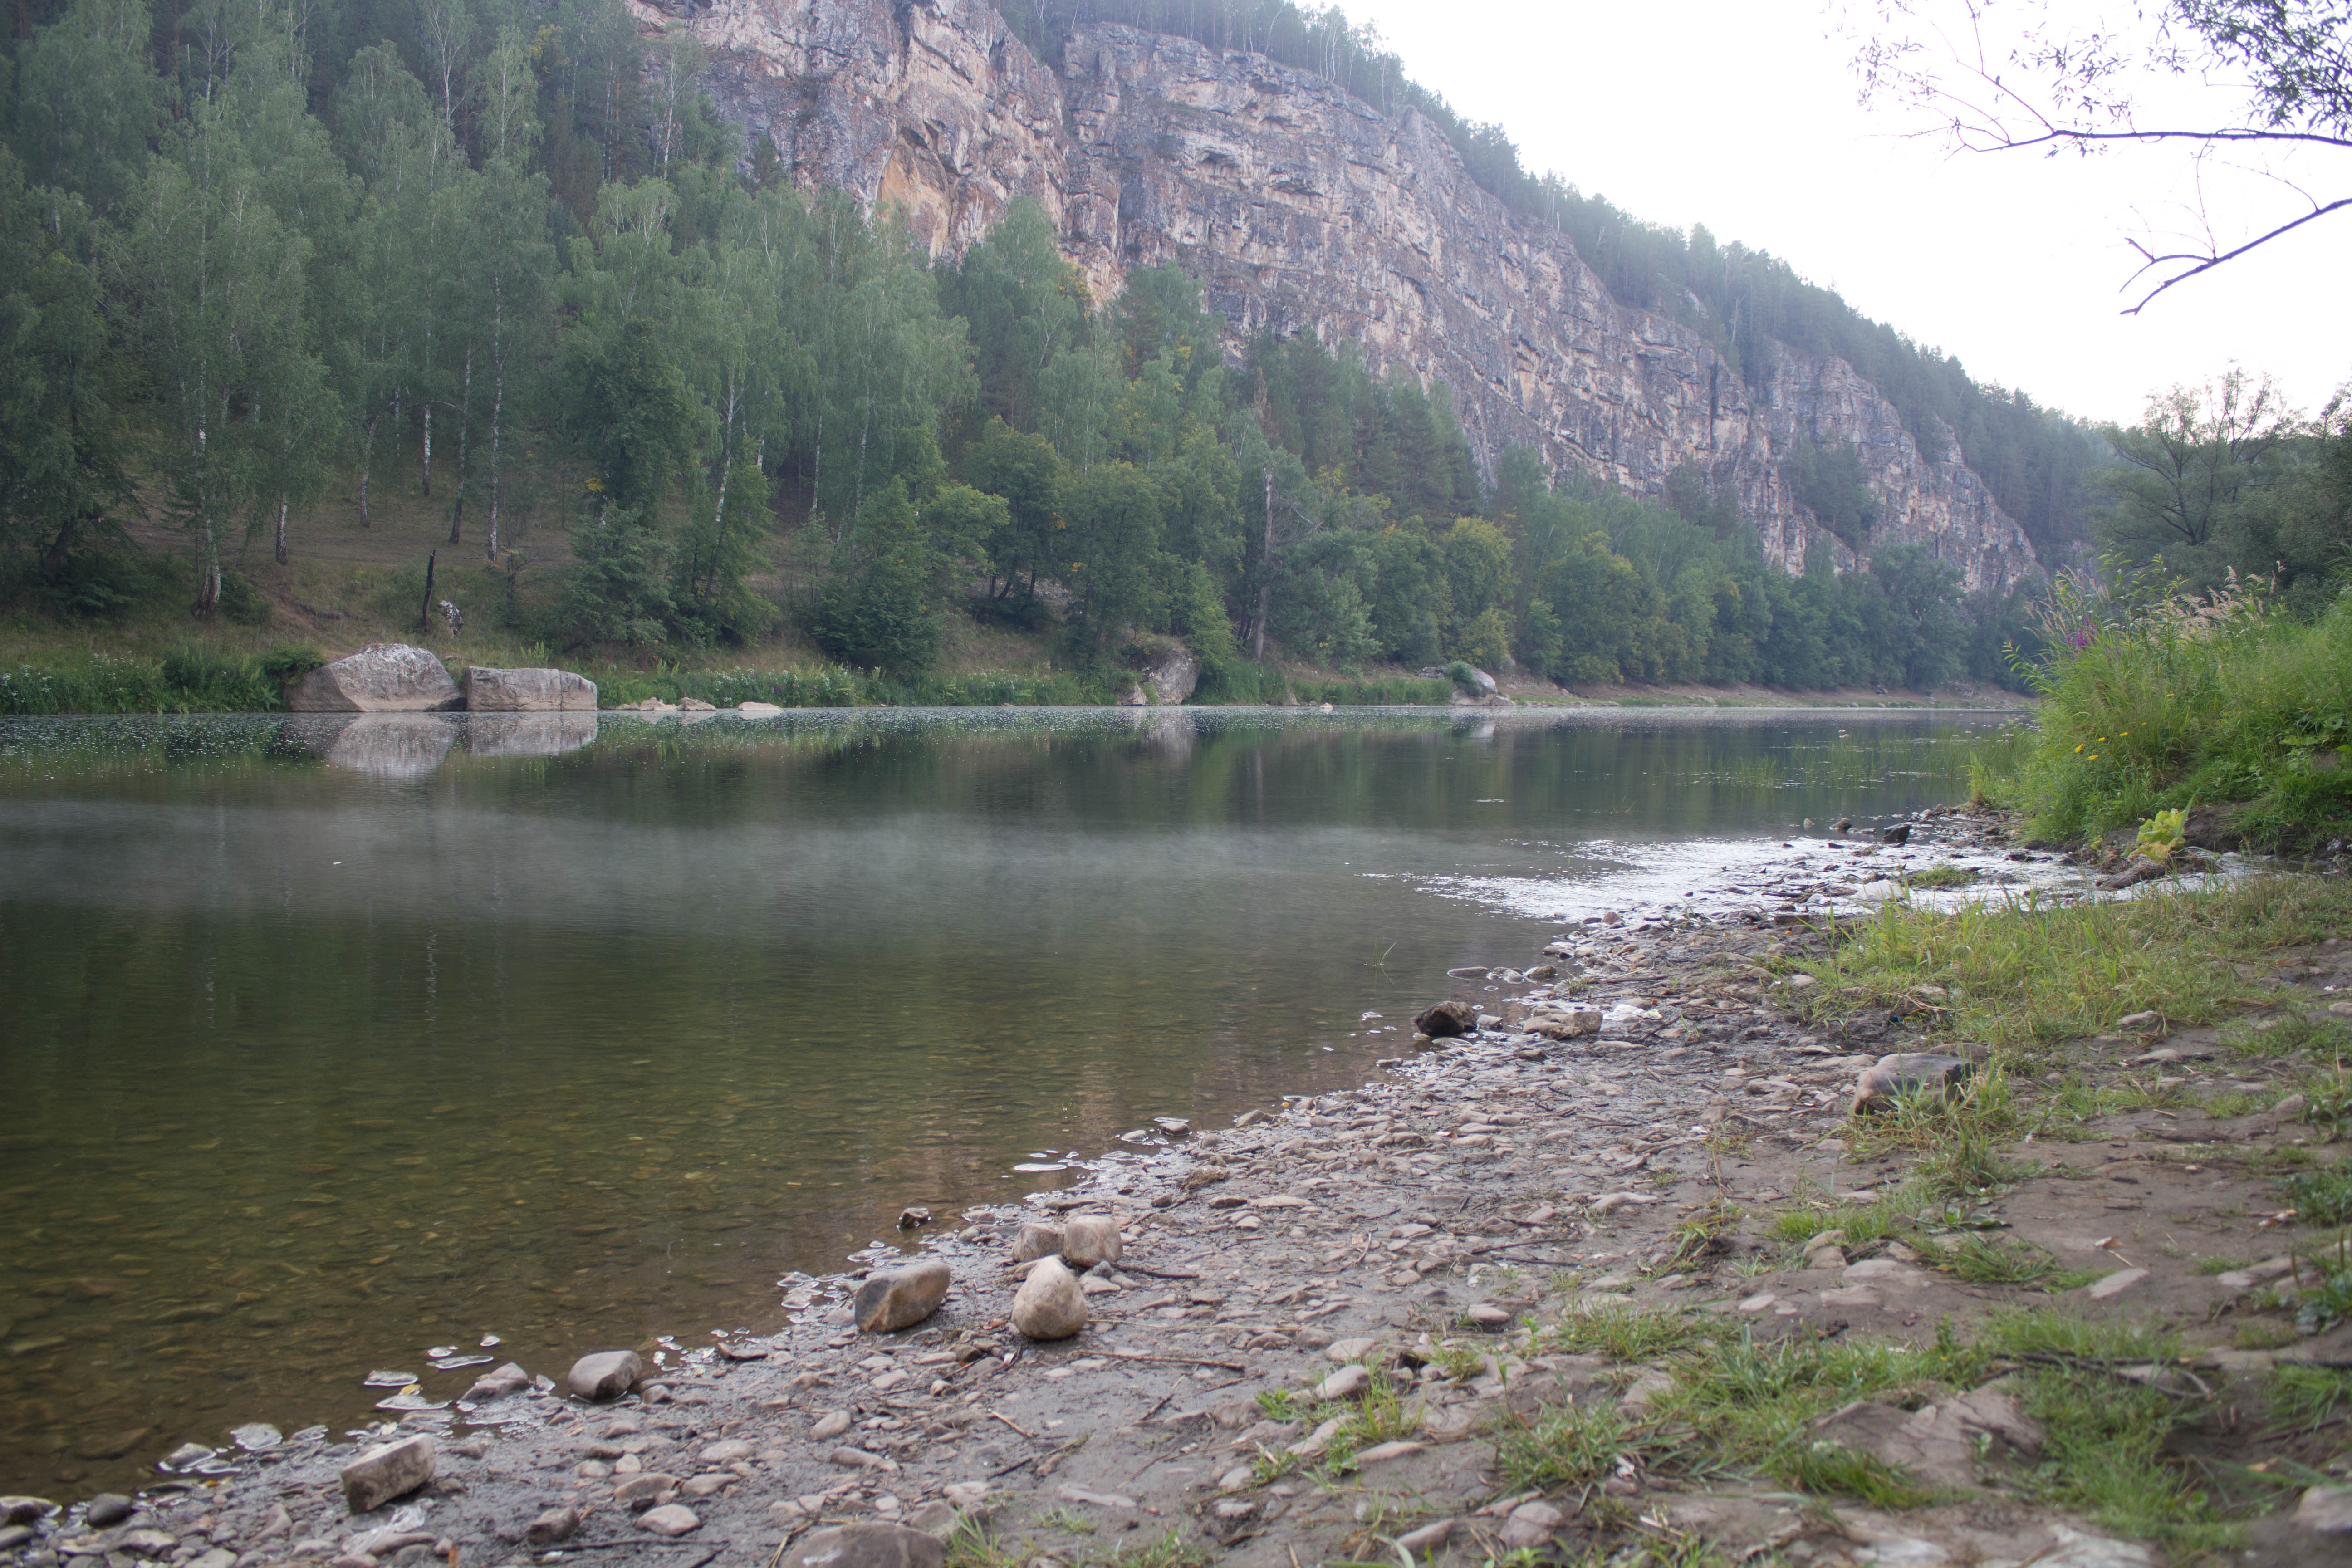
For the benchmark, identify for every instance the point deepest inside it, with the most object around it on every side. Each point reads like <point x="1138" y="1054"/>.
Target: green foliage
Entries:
<point x="883" y="613"/>
<point x="2155" y="696"/>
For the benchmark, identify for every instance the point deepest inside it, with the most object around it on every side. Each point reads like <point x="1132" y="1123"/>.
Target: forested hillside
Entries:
<point x="267" y="266"/>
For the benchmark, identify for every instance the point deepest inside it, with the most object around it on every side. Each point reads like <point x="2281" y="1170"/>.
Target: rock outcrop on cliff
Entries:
<point x="1295" y="205"/>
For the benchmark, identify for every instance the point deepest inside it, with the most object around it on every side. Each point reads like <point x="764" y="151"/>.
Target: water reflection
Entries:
<point x="591" y="1030"/>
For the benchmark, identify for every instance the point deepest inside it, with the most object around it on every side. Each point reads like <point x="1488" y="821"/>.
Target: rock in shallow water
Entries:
<point x="1445" y="1020"/>
<point x="606" y="1375"/>
<point x="896" y="1298"/>
<point x="1049" y="1305"/>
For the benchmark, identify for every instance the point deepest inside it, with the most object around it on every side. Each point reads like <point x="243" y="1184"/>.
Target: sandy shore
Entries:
<point x="1429" y="1228"/>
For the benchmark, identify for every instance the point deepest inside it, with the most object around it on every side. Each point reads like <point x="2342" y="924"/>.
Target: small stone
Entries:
<point x="256" y="1436"/>
<point x="1036" y="1239"/>
<point x="1906" y="1075"/>
<point x="1488" y="1315"/>
<point x="1345" y="1384"/>
<point x="2324" y="1510"/>
<point x="1089" y="1239"/>
<point x="1413" y="1543"/>
<point x="1757" y="1303"/>
<point x="727" y="1451"/>
<point x="1445" y="1020"/>
<point x="913" y="1217"/>
<point x="1531" y="1524"/>
<point x="497" y="1384"/>
<point x="650" y="1487"/>
<point x="12" y="1536"/>
<point x="22" y="1510"/>
<point x="107" y="1508"/>
<point x="1236" y="1478"/>
<point x="829" y="1425"/>
<point x="694" y="1489"/>
<point x="965" y="1494"/>
<point x="1049" y="1305"/>
<point x="387" y="1471"/>
<point x="896" y="1298"/>
<point x="147" y="1542"/>
<point x="185" y="1456"/>
<point x="866" y="1545"/>
<point x="1379" y="1453"/>
<point x="553" y="1527"/>
<point x="2148" y="1020"/>
<point x="2290" y="1107"/>
<point x="606" y="1375"/>
<point x="2115" y="1284"/>
<point x="1200" y="1176"/>
<point x="672" y="1519"/>
<point x="1344" y="1351"/>
<point x="850" y="1458"/>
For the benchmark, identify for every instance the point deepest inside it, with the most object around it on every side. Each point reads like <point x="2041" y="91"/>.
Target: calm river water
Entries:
<point x="325" y="1042"/>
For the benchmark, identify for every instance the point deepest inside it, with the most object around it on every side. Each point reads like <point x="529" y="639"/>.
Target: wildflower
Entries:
<point x="2091" y="758"/>
<point x="2078" y="748"/>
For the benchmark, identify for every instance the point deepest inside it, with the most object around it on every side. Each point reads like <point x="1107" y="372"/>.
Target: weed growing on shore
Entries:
<point x="1935" y="877"/>
<point x="2028" y="972"/>
<point x="1621" y="1333"/>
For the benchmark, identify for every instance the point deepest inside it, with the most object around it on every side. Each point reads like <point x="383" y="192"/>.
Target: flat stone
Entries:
<point x="829" y="1425"/>
<point x="1939" y="1442"/>
<point x="2324" y="1510"/>
<point x="1036" y="1239"/>
<point x="850" y="1458"/>
<point x="2115" y="1284"/>
<point x="896" y="1298"/>
<point x="386" y="1471"/>
<point x="12" y="1536"/>
<point x="497" y="1384"/>
<point x="671" y="1520"/>
<point x="649" y="1486"/>
<point x="552" y="1527"/>
<point x="710" y="1484"/>
<point x="1852" y="1296"/>
<point x="384" y="678"/>
<point x="256" y="1436"/>
<point x="528" y="691"/>
<point x="866" y="1545"/>
<point x="1379" y="1453"/>
<point x="727" y="1451"/>
<point x="1049" y="1305"/>
<point x="1531" y="1524"/>
<point x="1345" y="1384"/>
<point x="107" y="1508"/>
<point x="1757" y="1303"/>
<point x="604" y="1374"/>
<point x="1089" y="1239"/>
<point x="1348" y="1350"/>
<point x="1413" y="1543"/>
<point x="1097" y="1500"/>
<point x="1486" y="1315"/>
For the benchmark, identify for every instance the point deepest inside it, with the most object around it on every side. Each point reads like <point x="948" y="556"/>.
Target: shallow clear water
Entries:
<point x="326" y="1041"/>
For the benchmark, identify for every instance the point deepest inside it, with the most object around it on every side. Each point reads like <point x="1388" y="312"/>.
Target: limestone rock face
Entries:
<point x="1295" y="205"/>
<point x="385" y="678"/>
<point x="1172" y="674"/>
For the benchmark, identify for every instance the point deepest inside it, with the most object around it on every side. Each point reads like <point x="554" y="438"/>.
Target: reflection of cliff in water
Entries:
<point x="527" y="735"/>
<point x="387" y="745"/>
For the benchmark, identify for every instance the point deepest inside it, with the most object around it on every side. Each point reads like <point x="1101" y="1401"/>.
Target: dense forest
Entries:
<point x="497" y="255"/>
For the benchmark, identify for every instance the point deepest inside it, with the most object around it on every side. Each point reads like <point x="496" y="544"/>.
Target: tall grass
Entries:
<point x="2153" y="698"/>
<point x="188" y="679"/>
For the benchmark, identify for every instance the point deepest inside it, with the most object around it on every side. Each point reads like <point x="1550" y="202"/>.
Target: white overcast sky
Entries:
<point x="1741" y="114"/>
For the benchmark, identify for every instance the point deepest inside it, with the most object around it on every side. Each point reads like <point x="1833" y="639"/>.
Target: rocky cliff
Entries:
<point x="1296" y="206"/>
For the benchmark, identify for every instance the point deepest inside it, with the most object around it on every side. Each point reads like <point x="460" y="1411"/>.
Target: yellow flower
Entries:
<point x="2091" y="758"/>
<point x="2078" y="748"/>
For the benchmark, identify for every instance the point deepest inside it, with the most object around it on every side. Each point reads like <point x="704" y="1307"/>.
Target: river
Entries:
<point x="332" y="1043"/>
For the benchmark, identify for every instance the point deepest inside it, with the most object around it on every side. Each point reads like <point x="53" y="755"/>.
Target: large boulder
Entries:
<point x="385" y="678"/>
<point x="528" y="691"/>
<point x="1172" y="674"/>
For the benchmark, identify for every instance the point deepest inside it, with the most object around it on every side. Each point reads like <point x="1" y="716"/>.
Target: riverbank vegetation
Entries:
<point x="301" y="300"/>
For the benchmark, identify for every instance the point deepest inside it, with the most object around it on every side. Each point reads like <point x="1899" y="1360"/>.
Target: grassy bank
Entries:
<point x="2155" y="700"/>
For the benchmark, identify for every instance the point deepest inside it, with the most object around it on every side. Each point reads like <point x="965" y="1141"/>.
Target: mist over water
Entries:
<point x="326" y="1042"/>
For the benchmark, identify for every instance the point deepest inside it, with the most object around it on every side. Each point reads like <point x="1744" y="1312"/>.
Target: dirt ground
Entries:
<point x="1484" y="1232"/>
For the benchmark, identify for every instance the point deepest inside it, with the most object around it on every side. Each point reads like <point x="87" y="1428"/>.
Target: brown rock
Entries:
<point x="606" y="1375"/>
<point x="671" y="1519"/>
<point x="896" y="1298"/>
<point x="1049" y="1305"/>
<point x="1037" y="1241"/>
<point x="386" y="1471"/>
<point x="1445" y="1020"/>
<point x="1089" y="1239"/>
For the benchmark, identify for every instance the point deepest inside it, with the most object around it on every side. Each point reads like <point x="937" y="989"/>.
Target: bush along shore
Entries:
<point x="1902" y="1236"/>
